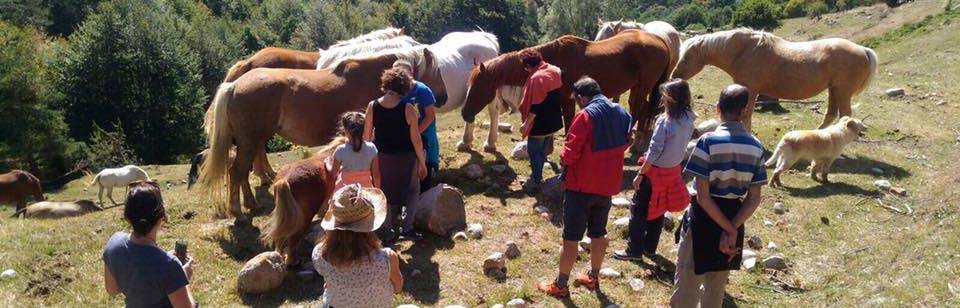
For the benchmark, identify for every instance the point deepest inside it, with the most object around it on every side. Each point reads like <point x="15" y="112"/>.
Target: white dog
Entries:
<point x="116" y="177"/>
<point x="821" y="146"/>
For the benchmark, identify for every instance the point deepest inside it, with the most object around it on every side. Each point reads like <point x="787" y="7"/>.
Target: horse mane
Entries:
<point x="375" y="35"/>
<point x="506" y="69"/>
<point x="333" y="56"/>
<point x="412" y="54"/>
<point x="715" y="41"/>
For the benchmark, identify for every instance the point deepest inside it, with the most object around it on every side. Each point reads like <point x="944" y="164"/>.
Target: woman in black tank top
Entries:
<point x="393" y="127"/>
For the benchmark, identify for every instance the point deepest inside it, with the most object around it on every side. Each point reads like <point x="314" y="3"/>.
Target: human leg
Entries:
<point x="536" y="150"/>
<point x="686" y="283"/>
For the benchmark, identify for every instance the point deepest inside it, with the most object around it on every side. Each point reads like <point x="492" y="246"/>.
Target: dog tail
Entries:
<point x="775" y="156"/>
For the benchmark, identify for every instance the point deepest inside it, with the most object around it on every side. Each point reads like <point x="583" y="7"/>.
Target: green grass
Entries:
<point x="866" y="256"/>
<point x="913" y="29"/>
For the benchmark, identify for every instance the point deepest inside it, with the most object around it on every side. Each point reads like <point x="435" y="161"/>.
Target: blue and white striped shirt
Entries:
<point x="730" y="158"/>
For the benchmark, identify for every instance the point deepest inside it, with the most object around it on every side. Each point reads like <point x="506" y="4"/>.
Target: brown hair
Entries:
<point x="675" y="98"/>
<point x="343" y="248"/>
<point x="352" y="124"/>
<point x="143" y="208"/>
<point x="396" y="80"/>
<point x="733" y="99"/>
<point x="531" y="57"/>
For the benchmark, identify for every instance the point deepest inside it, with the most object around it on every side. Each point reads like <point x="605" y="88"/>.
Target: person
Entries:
<point x="421" y="95"/>
<point x="727" y="165"/>
<point x="136" y="266"/>
<point x="659" y="184"/>
<point x="593" y="161"/>
<point x="356" y="160"/>
<point x="539" y="111"/>
<point x="357" y="271"/>
<point x="392" y="126"/>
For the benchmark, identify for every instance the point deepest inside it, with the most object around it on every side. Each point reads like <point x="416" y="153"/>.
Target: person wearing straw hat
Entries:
<point x="357" y="270"/>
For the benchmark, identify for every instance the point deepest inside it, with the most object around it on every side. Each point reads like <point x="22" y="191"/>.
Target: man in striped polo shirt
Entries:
<point x="728" y="167"/>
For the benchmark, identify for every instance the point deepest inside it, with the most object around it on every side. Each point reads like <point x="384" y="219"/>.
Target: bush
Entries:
<point x="695" y="27"/>
<point x="688" y="15"/>
<point x="278" y="144"/>
<point x="108" y="149"/>
<point x="757" y="14"/>
<point x="816" y="8"/>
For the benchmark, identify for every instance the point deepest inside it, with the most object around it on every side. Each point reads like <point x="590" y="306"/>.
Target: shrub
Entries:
<point x="757" y="14"/>
<point x="816" y="8"/>
<point x="108" y="149"/>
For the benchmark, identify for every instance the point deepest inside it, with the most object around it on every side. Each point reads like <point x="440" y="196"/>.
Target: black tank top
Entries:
<point x="391" y="131"/>
<point x="549" y="118"/>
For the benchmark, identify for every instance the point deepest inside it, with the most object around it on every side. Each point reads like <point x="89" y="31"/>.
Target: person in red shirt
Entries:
<point x="539" y="111"/>
<point x="593" y="170"/>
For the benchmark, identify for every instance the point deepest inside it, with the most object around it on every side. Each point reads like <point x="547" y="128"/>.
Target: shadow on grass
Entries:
<point x="293" y="290"/>
<point x="862" y="165"/>
<point x="265" y="201"/>
<point x="772" y="108"/>
<point x="821" y="190"/>
<point x="243" y="241"/>
<point x="493" y="184"/>
<point x="425" y="287"/>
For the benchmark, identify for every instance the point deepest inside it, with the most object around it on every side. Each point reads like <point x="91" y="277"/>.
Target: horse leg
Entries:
<point x="493" y="110"/>
<point x="262" y="168"/>
<point x="240" y="178"/>
<point x="639" y="110"/>
<point x="833" y="107"/>
<point x="21" y="203"/>
<point x="747" y="118"/>
<point x="100" y="194"/>
<point x="110" y="195"/>
<point x="466" y="142"/>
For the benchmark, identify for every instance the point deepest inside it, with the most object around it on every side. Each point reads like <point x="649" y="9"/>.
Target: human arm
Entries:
<point x="368" y="123"/>
<point x="526" y="126"/>
<point x="181" y="298"/>
<point x="429" y="115"/>
<point x="411" y="115"/>
<point x="750" y="205"/>
<point x="396" y="278"/>
<point x="657" y="142"/>
<point x="576" y="139"/>
<point x="375" y="171"/>
<point x="709" y="206"/>
<point x="110" y="283"/>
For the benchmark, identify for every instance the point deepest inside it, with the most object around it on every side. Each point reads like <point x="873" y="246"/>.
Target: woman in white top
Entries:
<point x="357" y="271"/>
<point x="357" y="159"/>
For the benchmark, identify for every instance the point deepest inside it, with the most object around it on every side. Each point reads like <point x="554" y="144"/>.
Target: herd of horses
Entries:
<point x="299" y="95"/>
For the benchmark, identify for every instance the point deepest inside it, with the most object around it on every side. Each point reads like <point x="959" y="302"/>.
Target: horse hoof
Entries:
<point x="490" y="149"/>
<point x="463" y="147"/>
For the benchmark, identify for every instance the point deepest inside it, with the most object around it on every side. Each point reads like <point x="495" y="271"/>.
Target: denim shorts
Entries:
<point x="584" y="212"/>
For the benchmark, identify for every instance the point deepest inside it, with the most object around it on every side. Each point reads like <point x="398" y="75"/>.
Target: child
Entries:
<point x="659" y="184"/>
<point x="357" y="159"/>
<point x="727" y="165"/>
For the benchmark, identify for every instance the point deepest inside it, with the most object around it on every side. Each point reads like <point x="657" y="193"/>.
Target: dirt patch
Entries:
<point x="50" y="276"/>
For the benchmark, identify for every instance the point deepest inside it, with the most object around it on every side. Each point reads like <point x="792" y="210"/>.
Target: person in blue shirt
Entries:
<point x="421" y="96"/>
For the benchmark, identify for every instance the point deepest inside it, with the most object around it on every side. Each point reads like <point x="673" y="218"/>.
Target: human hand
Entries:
<point x="729" y="243"/>
<point x="422" y="171"/>
<point x="637" y="180"/>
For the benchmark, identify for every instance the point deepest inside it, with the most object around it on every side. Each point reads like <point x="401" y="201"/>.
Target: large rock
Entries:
<point x="552" y="190"/>
<point x="475" y="231"/>
<point x="895" y="92"/>
<point x="473" y="171"/>
<point x="511" y="251"/>
<point x="517" y="302"/>
<point x="705" y="127"/>
<point x="775" y="263"/>
<point x="495" y="261"/>
<point x="263" y="273"/>
<point x="441" y="210"/>
<point x="519" y="151"/>
<point x="609" y="273"/>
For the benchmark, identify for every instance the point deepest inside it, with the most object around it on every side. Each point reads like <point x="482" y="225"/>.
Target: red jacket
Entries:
<point x="599" y="173"/>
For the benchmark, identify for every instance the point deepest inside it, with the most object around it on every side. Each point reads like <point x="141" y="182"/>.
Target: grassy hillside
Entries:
<point x="865" y="256"/>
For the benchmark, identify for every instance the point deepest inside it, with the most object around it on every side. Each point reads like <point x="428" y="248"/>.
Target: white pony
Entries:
<point x="115" y="177"/>
<point x="331" y="57"/>
<point x="375" y="35"/>
<point x="662" y="29"/>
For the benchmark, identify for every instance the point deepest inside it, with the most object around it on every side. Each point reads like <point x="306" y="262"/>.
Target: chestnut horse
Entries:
<point x="633" y="60"/>
<point x="765" y="63"/>
<point x="663" y="29"/>
<point x="302" y="106"/>
<point x="17" y="185"/>
<point x="301" y="191"/>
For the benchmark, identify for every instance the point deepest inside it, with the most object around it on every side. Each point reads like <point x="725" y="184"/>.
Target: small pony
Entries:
<point x="17" y="185"/>
<point x="115" y="177"/>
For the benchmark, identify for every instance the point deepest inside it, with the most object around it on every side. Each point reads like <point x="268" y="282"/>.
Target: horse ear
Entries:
<point x="599" y="21"/>
<point x="482" y="67"/>
<point x="475" y="61"/>
<point x="403" y="31"/>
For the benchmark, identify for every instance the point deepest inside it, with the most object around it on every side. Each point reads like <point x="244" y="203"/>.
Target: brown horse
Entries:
<point x="300" y="105"/>
<point x="274" y="57"/>
<point x="632" y="60"/>
<point x="301" y="191"/>
<point x="765" y="63"/>
<point x="17" y="185"/>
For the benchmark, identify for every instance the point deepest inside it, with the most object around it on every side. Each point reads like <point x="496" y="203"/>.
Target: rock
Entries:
<point x="460" y="236"/>
<point x="609" y="273"/>
<point x="636" y="284"/>
<point x="622" y="222"/>
<point x="876" y="171"/>
<point x="585" y="243"/>
<point x="8" y="274"/>
<point x="306" y="275"/>
<point x="690" y="146"/>
<point x="705" y="127"/>
<point x="772" y="246"/>
<point x="882" y="184"/>
<point x="485" y="125"/>
<point x="750" y="264"/>
<point x="767" y="223"/>
<point x="441" y="210"/>
<point x="747" y="253"/>
<point x="546" y="216"/>
<point x="517" y="302"/>
<point x="668" y="222"/>
<point x="941" y="103"/>
<point x="775" y="263"/>
<point x="900" y="191"/>
<point x="415" y="273"/>
<point x="895" y="92"/>
<point x="520" y="151"/>
<point x="755" y="242"/>
<point x="541" y="209"/>
<point x="263" y="273"/>
<point x="408" y="306"/>
<point x="495" y="260"/>
<point x="473" y="171"/>
<point x="496" y="273"/>
<point x="499" y="168"/>
<point x="552" y="190"/>
<point x="475" y="231"/>
<point x="778" y="208"/>
<point x="612" y="306"/>
<point x="511" y="251"/>
<point x="825" y="220"/>
<point x="169" y="186"/>
<point x="505" y="128"/>
<point x="497" y="306"/>
<point x="455" y="306"/>
<point x="621" y="202"/>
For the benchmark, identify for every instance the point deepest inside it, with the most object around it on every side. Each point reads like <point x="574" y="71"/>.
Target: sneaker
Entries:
<point x="531" y="185"/>
<point x="551" y="288"/>
<point x="623" y="255"/>
<point x="591" y="283"/>
<point x="411" y="236"/>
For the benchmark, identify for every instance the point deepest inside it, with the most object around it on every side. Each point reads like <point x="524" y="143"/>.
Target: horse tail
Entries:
<point x="287" y="218"/>
<point x="654" y="98"/>
<point x="96" y="179"/>
<point x="872" y="59"/>
<point x="237" y="70"/>
<point x="195" y="168"/>
<point x="213" y="173"/>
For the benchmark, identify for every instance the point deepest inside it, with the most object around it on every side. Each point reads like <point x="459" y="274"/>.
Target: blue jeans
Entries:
<point x="537" y="150"/>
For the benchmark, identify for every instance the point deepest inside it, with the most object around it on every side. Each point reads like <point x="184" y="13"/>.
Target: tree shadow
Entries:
<point x="425" y="287"/>
<point x="242" y="242"/>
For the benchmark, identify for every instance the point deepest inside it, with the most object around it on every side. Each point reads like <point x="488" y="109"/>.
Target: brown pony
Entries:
<point x="301" y="106"/>
<point x="301" y="191"/>
<point x="274" y="57"/>
<point x="17" y="185"/>
<point x="632" y="60"/>
<point x="765" y="63"/>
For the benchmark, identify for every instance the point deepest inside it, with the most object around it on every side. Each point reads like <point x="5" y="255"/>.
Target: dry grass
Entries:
<point x="866" y="256"/>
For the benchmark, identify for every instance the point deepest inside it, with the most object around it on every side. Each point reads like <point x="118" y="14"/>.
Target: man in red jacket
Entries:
<point x="593" y="161"/>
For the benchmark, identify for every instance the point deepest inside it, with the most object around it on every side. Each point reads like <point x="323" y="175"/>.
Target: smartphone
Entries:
<point x="181" y="250"/>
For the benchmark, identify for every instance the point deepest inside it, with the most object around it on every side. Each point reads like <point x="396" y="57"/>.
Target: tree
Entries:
<point x="757" y="14"/>
<point x="321" y="28"/>
<point x="574" y="17"/>
<point x="688" y="15"/>
<point x="25" y="13"/>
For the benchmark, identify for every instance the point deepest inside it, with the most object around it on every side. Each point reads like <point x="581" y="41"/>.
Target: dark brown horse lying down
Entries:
<point x="56" y="209"/>
<point x="17" y="185"/>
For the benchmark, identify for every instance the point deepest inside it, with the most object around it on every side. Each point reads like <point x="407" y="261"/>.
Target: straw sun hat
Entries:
<point x="356" y="209"/>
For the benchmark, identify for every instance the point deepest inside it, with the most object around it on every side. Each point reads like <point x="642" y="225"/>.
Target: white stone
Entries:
<point x="775" y="262"/>
<point x="263" y="273"/>
<point x="495" y="260"/>
<point x="541" y="209"/>
<point x="408" y="306"/>
<point x="767" y="223"/>
<point x="505" y="128"/>
<point x="485" y="124"/>
<point x="520" y="151"/>
<point x="747" y="253"/>
<point x="499" y="168"/>
<point x="705" y="127"/>
<point x="778" y="208"/>
<point x="456" y="306"/>
<point x="8" y="274"/>
<point x="585" y="243"/>
<point x="475" y="231"/>
<point x="497" y="306"/>
<point x="622" y="222"/>
<point x="612" y="306"/>
<point x="895" y="92"/>
<point x="441" y="210"/>
<point x="609" y="273"/>
<point x="750" y="264"/>
<point x="882" y="184"/>
<point x="517" y="302"/>
<point x="636" y="284"/>
<point x="473" y="171"/>
<point x="460" y="236"/>
<point x="772" y="245"/>
<point x="621" y="202"/>
<point x="512" y="251"/>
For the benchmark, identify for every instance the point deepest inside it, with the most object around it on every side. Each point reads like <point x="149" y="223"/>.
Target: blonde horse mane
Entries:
<point x="333" y="56"/>
<point x="375" y="35"/>
<point x="716" y="41"/>
<point x="412" y="54"/>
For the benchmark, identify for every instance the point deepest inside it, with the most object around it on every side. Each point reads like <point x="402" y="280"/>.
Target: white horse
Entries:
<point x="115" y="177"/>
<point x="662" y="29"/>
<point x="608" y="29"/>
<point x="331" y="57"/>
<point x="375" y="35"/>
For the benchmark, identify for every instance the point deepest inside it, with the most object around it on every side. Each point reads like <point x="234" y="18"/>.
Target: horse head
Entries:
<point x="481" y="88"/>
<point x="432" y="77"/>
<point x="691" y="59"/>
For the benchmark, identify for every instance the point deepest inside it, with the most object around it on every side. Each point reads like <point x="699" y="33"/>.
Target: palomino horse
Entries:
<point x="302" y="106"/>
<point x="301" y="191"/>
<point x="17" y="185"/>
<point x="633" y="60"/>
<point x="666" y="31"/>
<point x="768" y="64"/>
<point x="331" y="57"/>
<point x="608" y="29"/>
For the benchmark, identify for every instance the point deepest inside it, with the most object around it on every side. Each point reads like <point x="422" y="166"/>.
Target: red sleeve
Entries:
<point x="534" y="91"/>
<point x="577" y="139"/>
